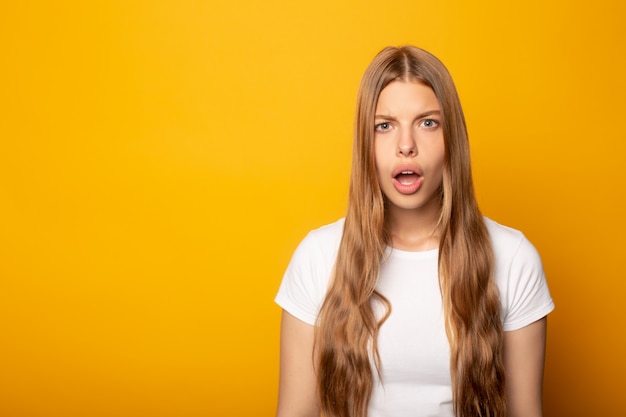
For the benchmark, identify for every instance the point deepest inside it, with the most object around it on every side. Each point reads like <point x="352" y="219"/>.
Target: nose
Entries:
<point x="407" y="146"/>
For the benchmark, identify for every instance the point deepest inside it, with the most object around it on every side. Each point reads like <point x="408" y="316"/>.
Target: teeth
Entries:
<point x="407" y="172"/>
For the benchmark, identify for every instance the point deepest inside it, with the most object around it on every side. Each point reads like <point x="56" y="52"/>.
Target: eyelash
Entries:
<point x="435" y="123"/>
<point x="379" y="126"/>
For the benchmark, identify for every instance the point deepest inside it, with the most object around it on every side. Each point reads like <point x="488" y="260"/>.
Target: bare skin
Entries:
<point x="297" y="387"/>
<point x="524" y="355"/>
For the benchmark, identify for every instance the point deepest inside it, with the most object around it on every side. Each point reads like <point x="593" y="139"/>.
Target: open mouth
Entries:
<point x="407" y="177"/>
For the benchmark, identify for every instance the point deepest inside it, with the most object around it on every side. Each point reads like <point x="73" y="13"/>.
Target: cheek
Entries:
<point x="437" y="159"/>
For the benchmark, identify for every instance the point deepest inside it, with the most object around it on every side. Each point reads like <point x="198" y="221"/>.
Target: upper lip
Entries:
<point x="408" y="168"/>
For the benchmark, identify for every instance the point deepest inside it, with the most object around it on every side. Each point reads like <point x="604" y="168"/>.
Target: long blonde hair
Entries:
<point x="347" y="331"/>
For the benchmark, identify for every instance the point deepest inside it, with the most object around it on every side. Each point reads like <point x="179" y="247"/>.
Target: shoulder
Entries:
<point x="316" y="253"/>
<point x="328" y="233"/>
<point x="503" y="235"/>
<point x="307" y="276"/>
<point x="323" y="241"/>
<point x="519" y="275"/>
<point x="510" y="244"/>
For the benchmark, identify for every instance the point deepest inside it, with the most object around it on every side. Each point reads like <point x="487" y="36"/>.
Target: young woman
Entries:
<point x="414" y="304"/>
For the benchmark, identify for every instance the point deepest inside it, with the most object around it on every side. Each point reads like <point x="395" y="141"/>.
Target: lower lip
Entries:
<point x="408" y="189"/>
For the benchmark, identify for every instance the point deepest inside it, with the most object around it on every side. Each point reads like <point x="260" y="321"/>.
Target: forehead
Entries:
<point x="401" y="96"/>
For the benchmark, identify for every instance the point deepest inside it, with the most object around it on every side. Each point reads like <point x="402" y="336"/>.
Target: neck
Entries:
<point x="414" y="230"/>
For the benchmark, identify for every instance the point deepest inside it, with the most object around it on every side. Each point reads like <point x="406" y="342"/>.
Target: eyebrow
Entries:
<point x="419" y="116"/>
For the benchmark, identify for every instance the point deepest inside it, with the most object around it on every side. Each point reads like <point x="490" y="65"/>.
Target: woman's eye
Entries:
<point x="429" y="123"/>
<point x="381" y="127"/>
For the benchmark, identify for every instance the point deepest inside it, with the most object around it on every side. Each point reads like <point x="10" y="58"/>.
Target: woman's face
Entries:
<point x="409" y="146"/>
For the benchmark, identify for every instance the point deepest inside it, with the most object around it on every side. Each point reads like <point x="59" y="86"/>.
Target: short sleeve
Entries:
<point x="525" y="294"/>
<point x="305" y="281"/>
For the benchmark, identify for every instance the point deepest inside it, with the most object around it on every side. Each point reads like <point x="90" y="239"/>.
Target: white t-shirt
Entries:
<point x="412" y="343"/>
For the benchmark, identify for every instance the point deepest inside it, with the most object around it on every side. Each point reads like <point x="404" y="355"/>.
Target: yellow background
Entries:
<point x="160" y="160"/>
